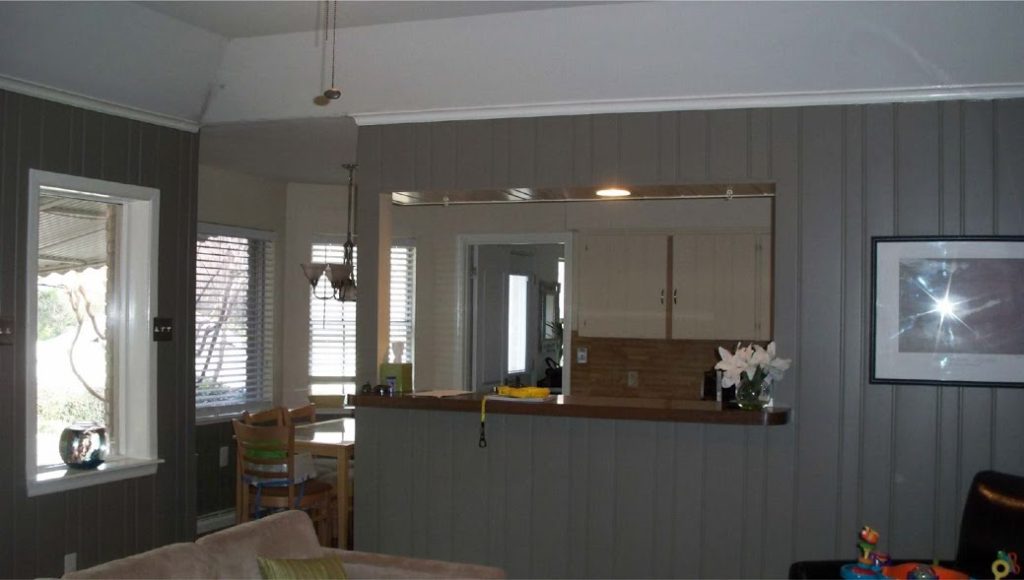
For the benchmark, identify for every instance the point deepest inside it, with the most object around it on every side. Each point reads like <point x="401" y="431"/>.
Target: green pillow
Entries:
<point x="313" y="568"/>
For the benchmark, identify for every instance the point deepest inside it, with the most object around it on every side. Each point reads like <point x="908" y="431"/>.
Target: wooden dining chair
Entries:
<point x="302" y="415"/>
<point x="266" y="462"/>
<point x="266" y="418"/>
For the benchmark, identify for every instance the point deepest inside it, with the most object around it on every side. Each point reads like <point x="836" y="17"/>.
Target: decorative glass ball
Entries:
<point x="84" y="445"/>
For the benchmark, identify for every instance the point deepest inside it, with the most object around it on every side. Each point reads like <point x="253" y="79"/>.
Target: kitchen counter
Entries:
<point x="637" y="409"/>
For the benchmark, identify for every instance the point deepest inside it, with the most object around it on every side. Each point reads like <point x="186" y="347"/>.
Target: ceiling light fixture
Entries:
<point x="342" y="277"/>
<point x="613" y="192"/>
<point x="330" y="26"/>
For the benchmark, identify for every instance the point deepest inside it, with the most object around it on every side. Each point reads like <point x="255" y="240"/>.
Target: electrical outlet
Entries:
<point x="632" y="379"/>
<point x="70" y="562"/>
<point x="224" y="456"/>
<point x="581" y="355"/>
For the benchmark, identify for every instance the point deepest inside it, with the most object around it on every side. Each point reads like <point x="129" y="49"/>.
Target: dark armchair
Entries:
<point x="993" y="519"/>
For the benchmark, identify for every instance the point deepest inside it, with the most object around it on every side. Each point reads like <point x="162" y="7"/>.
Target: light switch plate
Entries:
<point x="581" y="355"/>
<point x="224" y="456"/>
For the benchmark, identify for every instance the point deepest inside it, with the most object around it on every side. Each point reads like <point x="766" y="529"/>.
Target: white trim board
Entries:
<point x="710" y="102"/>
<point x="92" y="104"/>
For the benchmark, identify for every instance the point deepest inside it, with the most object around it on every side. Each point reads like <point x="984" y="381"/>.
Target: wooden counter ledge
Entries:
<point x="682" y="411"/>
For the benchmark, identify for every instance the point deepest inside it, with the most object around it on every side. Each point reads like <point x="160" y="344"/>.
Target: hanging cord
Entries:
<point x="483" y="417"/>
<point x="334" y="41"/>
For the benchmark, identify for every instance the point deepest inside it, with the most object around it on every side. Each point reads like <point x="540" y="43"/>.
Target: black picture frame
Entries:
<point x="947" y="310"/>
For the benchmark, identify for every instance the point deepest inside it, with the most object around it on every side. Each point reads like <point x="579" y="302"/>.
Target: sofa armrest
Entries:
<point x="372" y="565"/>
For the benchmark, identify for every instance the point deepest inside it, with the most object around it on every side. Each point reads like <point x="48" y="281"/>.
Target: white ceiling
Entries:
<point x="423" y="61"/>
<point x="239" y="19"/>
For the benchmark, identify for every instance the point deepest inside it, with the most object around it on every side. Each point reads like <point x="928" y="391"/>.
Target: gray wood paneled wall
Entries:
<point x="104" y="522"/>
<point x="582" y="498"/>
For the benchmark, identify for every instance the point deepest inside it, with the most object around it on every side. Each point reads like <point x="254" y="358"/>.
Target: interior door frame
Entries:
<point x="462" y="287"/>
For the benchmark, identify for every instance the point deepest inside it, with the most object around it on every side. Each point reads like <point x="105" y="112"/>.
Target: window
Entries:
<point x="91" y="291"/>
<point x="403" y="292"/>
<point x="332" y="324"/>
<point x="234" y="320"/>
<point x="517" y="299"/>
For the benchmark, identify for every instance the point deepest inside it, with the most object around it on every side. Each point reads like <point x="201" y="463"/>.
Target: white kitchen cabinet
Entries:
<point x="622" y="286"/>
<point x="721" y="286"/>
<point x="717" y="286"/>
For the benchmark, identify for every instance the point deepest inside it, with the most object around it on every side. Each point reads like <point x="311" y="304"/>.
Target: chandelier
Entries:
<point x="341" y="277"/>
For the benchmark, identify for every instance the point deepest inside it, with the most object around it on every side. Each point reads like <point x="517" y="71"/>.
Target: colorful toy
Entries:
<point x="1004" y="564"/>
<point x="875" y="564"/>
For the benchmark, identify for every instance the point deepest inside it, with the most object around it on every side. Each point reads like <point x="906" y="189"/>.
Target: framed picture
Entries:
<point x="947" y="310"/>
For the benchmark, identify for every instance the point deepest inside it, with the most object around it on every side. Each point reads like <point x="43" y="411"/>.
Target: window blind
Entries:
<point x="234" y="319"/>
<point x="332" y="324"/>
<point x="332" y="329"/>
<point x="403" y="292"/>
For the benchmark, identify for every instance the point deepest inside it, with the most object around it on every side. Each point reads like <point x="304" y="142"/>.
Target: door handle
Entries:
<point x="663" y="296"/>
<point x="675" y="295"/>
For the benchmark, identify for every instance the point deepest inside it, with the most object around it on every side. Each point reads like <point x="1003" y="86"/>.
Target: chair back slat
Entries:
<point x="266" y="453"/>
<point x="302" y="415"/>
<point x="266" y="418"/>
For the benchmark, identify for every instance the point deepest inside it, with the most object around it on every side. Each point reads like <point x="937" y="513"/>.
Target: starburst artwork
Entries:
<point x="962" y="306"/>
<point x="948" y="310"/>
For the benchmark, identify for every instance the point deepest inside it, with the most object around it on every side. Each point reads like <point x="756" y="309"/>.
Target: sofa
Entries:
<point x="232" y="553"/>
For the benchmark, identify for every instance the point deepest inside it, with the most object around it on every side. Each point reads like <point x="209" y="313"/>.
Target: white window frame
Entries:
<point x="136" y="437"/>
<point x="213" y="414"/>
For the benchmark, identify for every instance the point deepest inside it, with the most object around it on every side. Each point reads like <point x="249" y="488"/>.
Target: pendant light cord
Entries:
<point x="334" y="40"/>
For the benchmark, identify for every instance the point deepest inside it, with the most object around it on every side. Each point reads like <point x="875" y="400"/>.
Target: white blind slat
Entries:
<point x="234" y="321"/>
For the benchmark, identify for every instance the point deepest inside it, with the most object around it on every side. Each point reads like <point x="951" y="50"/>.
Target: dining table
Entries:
<point x="334" y="438"/>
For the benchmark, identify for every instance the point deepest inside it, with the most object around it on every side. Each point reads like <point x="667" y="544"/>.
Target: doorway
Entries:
<point x="516" y="300"/>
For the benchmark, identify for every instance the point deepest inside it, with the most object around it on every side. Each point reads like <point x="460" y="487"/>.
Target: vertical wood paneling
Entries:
<point x="423" y="162"/>
<point x="877" y="409"/>
<point x="443" y="155"/>
<point x="419" y="446"/>
<point x="395" y="500"/>
<point x="497" y="486"/>
<point x="690" y="500"/>
<point x="438" y="488"/>
<point x="693" y="146"/>
<point x="728" y="144"/>
<point x="579" y="480"/>
<point x="919" y="203"/>
<point x="947" y="498"/>
<point x="604" y="146"/>
<point x="473" y="164"/>
<point x="782" y="454"/>
<point x="398" y="162"/>
<point x="662" y="501"/>
<point x="519" y="493"/>
<point x="53" y="137"/>
<point x="638" y="148"/>
<point x="687" y="461"/>
<point x="856" y="259"/>
<point x="635" y="498"/>
<point x="668" y="147"/>
<point x="821" y="252"/>
<point x="602" y="529"/>
<point x="522" y="151"/>
<point x="554" y="151"/>
<point x="549" y="520"/>
<point x="722" y="493"/>
<point x="583" y="150"/>
<point x="1009" y="193"/>
<point x="469" y="530"/>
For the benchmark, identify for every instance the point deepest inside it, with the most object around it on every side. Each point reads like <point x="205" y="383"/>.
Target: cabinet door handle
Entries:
<point x="663" y="296"/>
<point x="675" y="296"/>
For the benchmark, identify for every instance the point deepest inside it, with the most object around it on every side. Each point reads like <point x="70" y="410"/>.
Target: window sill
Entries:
<point x="58" y="479"/>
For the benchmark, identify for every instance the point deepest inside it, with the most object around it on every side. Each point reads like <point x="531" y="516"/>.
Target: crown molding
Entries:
<point x="761" y="100"/>
<point x="100" y="106"/>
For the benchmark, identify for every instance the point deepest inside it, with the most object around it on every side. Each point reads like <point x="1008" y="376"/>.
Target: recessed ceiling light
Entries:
<point x="614" y="192"/>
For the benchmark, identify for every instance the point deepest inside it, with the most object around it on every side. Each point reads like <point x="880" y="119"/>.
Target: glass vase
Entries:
<point x="753" y="395"/>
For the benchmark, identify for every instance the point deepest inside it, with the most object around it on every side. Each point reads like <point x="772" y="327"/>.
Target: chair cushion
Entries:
<point x="312" y="568"/>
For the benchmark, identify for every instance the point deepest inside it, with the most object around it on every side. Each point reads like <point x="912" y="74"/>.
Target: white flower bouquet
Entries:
<point x="752" y="369"/>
